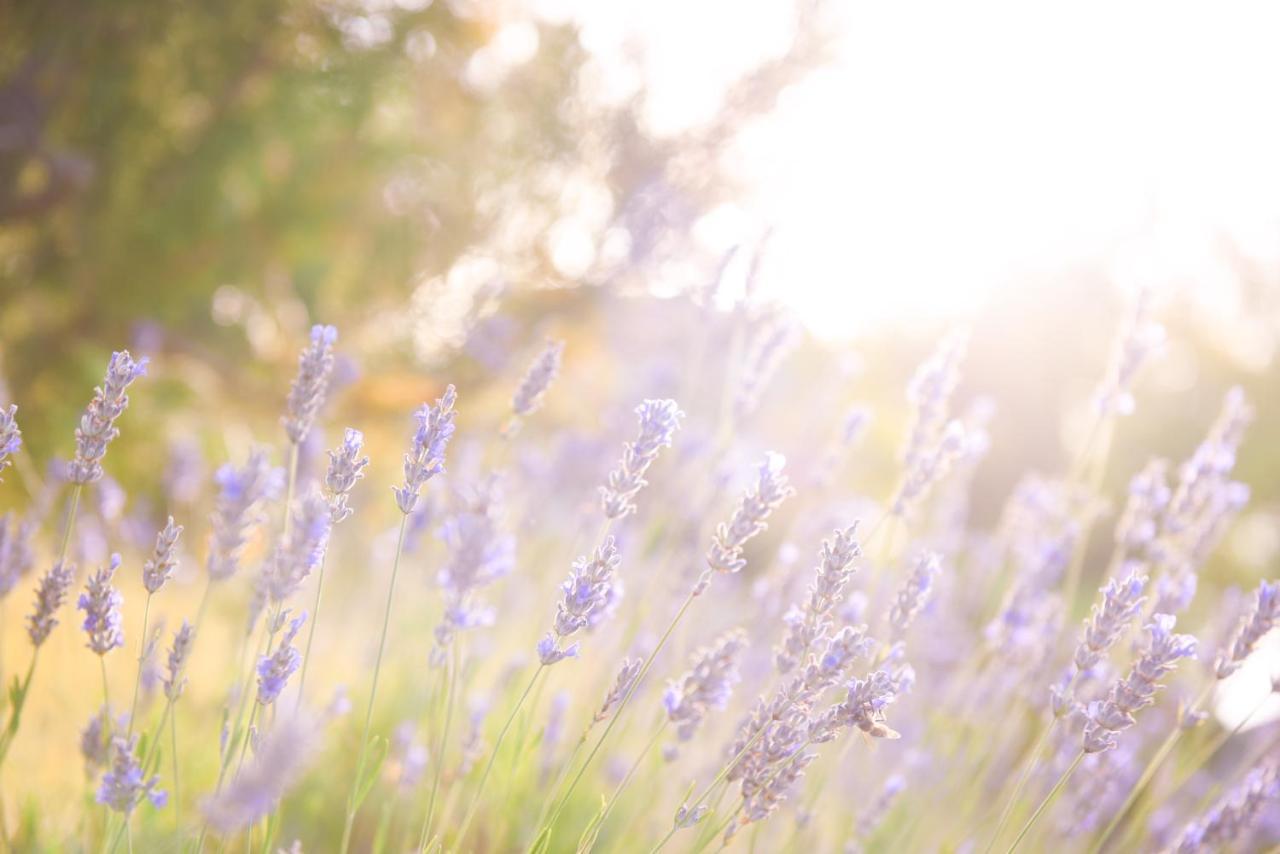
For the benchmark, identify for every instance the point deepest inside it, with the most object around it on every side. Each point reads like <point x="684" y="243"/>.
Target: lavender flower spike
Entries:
<point x="346" y="466"/>
<point x="915" y="593"/>
<point x="1262" y="619"/>
<point x="707" y="685"/>
<point x="101" y="605"/>
<point x="306" y="395"/>
<point x="585" y="593"/>
<point x="301" y="552"/>
<point x="278" y="763"/>
<point x="426" y="455"/>
<point x="97" y="425"/>
<point x="528" y="396"/>
<point x="725" y="554"/>
<point x="659" y="420"/>
<point x="10" y="435"/>
<point x="237" y="510"/>
<point x="1138" y="339"/>
<point x="627" y="674"/>
<point x="1121" y="602"/>
<point x="124" y="786"/>
<point x="159" y="567"/>
<point x="929" y="394"/>
<point x="274" y="670"/>
<point x="49" y="598"/>
<point x="174" y="681"/>
<point x="16" y="554"/>
<point x="863" y="708"/>
<point x="1233" y="816"/>
<point x="1137" y="690"/>
<point x="807" y="624"/>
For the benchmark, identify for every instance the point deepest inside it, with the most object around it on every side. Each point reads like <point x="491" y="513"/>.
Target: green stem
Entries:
<point x="595" y="826"/>
<point x="311" y="635"/>
<point x="1027" y="770"/>
<point x="1066" y="775"/>
<point x="177" y="795"/>
<point x="356" y="783"/>
<point x="451" y="682"/>
<point x="142" y="651"/>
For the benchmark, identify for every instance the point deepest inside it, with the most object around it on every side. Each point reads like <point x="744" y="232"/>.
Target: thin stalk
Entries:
<point x="493" y="755"/>
<point x="450" y="685"/>
<point x="1066" y="775"/>
<point x="142" y="651"/>
<point x="311" y="634"/>
<point x="1027" y="769"/>
<point x="597" y="824"/>
<point x="177" y="794"/>
<point x="373" y="692"/>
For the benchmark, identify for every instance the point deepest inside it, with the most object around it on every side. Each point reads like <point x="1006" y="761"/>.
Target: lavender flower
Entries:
<point x="1231" y="818"/>
<point x="54" y="586"/>
<point x="1121" y="602"/>
<point x="725" y="554"/>
<point x="302" y="550"/>
<point x="306" y="395"/>
<point x="627" y="674"/>
<point x="346" y="466"/>
<point x="16" y="554"/>
<point x="863" y="708"/>
<point x="807" y="624"/>
<point x="101" y="605"/>
<point x="95" y="742"/>
<point x="528" y="396"/>
<point x="585" y="592"/>
<point x="774" y="337"/>
<point x="159" y="567"/>
<point x="1138" y="339"/>
<point x="915" y="593"/>
<point x="124" y="786"/>
<point x="479" y="554"/>
<point x="929" y="466"/>
<point x="278" y="763"/>
<point x="707" y="685"/>
<point x="97" y="425"/>
<point x="1137" y="690"/>
<point x="1260" y="620"/>
<point x="174" y="681"/>
<point x="10" y="435"/>
<point x="1149" y="495"/>
<point x="426" y="455"/>
<point x="241" y="493"/>
<point x="929" y="394"/>
<point x="274" y="670"/>
<point x="659" y="420"/>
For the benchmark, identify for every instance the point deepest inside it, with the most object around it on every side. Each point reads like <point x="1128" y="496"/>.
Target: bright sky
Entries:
<point x="952" y="148"/>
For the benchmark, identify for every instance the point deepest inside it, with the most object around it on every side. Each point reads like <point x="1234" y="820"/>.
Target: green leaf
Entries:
<point x="380" y="745"/>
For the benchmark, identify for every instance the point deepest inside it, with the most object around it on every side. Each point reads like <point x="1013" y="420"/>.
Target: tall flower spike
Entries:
<point x="537" y="379"/>
<point x="174" y="681"/>
<point x="1121" y="602"/>
<point x="16" y="554"/>
<point x="771" y="489"/>
<point x="52" y="592"/>
<point x="863" y="708"/>
<point x="159" y="567"/>
<point x="1260" y="620"/>
<point x="584" y="593"/>
<point x="278" y="763"/>
<point x="659" y="420"/>
<point x="306" y="395"/>
<point x="479" y="554"/>
<point x="914" y="593"/>
<point x="302" y="550"/>
<point x="426" y="454"/>
<point x="346" y="466"/>
<point x="10" y="435"/>
<point x="101" y="605"/>
<point x="774" y="337"/>
<point x="627" y="674"/>
<point x="1137" y="341"/>
<point x="707" y="685"/>
<point x="1137" y="690"/>
<point x="807" y="624"/>
<point x="1233" y="816"/>
<point x="238" y="509"/>
<point x="929" y="394"/>
<point x="274" y="670"/>
<point x="97" y="425"/>
<point x="124" y="786"/>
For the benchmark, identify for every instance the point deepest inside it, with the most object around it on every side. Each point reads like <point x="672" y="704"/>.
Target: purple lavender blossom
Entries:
<point x="585" y="593"/>
<point x="537" y="379"/>
<point x="914" y="593"/>
<point x="54" y="586"/>
<point x="426" y="455"/>
<point x="1231" y="818"/>
<point x="101" y="605"/>
<point x="16" y="555"/>
<point x="1260" y="620"/>
<point x="179" y="652"/>
<point x="307" y="393"/>
<point x="302" y="550"/>
<point x="627" y="674"/>
<point x="659" y="420"/>
<point x="95" y="742"/>
<point x="725" y="554"/>
<point x="929" y="466"/>
<point x="10" y="435"/>
<point x="1137" y="690"/>
<point x="773" y="338"/>
<point x="1121" y="602"/>
<point x="275" y="669"/>
<point x="1137" y="341"/>
<point x="159" y="567"/>
<point x="809" y="623"/>
<point x="1149" y="496"/>
<point x="479" y="554"/>
<point x="346" y="466"/>
<point x="280" y="759"/>
<point x="97" y="425"/>
<point x="863" y="708"/>
<point x="238" y="509"/>
<point x="124" y="786"/>
<point x="929" y="394"/>
<point x="707" y="685"/>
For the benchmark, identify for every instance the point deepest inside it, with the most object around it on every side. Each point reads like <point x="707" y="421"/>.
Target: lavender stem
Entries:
<point x="1066" y="775"/>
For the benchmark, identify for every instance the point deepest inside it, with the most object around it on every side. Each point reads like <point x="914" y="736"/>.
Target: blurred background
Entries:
<point x="451" y="182"/>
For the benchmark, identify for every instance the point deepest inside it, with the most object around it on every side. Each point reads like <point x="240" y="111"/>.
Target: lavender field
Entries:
<point x="570" y="427"/>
